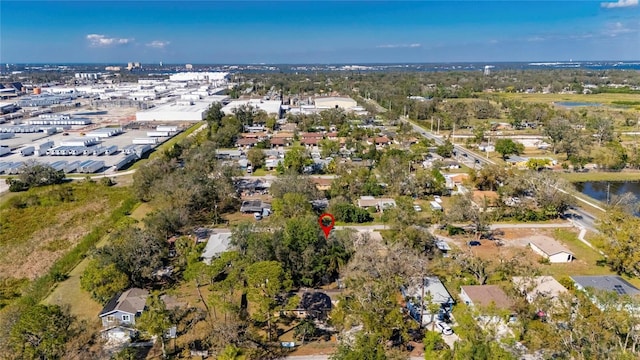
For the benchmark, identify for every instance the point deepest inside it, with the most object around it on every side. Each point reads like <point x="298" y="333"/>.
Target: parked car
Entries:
<point x="417" y="208"/>
<point x="474" y="243"/>
<point x="257" y="216"/>
<point x="444" y="328"/>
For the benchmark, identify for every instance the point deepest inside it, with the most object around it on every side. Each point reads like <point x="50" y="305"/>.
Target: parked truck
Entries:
<point x="27" y="151"/>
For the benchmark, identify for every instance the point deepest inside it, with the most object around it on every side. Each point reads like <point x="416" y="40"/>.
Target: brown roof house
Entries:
<point x="550" y="249"/>
<point x="491" y="301"/>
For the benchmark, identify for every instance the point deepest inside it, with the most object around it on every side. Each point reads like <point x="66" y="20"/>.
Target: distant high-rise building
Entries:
<point x="188" y="66"/>
<point x="487" y="70"/>
<point x="160" y="63"/>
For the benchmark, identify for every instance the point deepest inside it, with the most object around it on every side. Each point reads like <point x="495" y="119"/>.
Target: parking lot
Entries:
<point x="22" y="140"/>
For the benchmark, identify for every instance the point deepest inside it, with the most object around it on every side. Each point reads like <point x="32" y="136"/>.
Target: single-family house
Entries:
<point x="255" y="135"/>
<point x="283" y="135"/>
<point x="485" y="296"/>
<point x="246" y="142"/>
<point x="315" y="135"/>
<point x="310" y="141"/>
<point x="279" y="141"/>
<point x="124" y="308"/>
<point x="254" y="206"/>
<point x="453" y="180"/>
<point x="539" y="287"/>
<point x="314" y="304"/>
<point x="420" y="293"/>
<point x="271" y="164"/>
<point x="380" y="204"/>
<point x="332" y="135"/>
<point x="517" y="161"/>
<point x="550" y="249"/>
<point x="492" y="304"/>
<point x="379" y="141"/>
<point x="322" y="184"/>
<point x="610" y="283"/>
<point x="218" y="242"/>
<point x="486" y="147"/>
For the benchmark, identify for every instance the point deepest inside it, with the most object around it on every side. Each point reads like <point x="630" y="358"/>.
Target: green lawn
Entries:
<point x="601" y="176"/>
<point x="586" y="262"/>
<point x="550" y="98"/>
<point x="168" y="144"/>
<point x="69" y="293"/>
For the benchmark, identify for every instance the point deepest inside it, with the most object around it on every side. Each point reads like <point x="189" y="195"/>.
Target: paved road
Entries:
<point x="362" y="228"/>
<point x="580" y="216"/>
<point x="459" y="150"/>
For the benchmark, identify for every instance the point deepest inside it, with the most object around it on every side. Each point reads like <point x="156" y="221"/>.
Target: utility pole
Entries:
<point x="608" y="192"/>
<point x="422" y="303"/>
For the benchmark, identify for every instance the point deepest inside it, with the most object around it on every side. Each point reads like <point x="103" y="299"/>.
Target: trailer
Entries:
<point x="142" y="149"/>
<point x="27" y="151"/>
<point x="46" y="145"/>
<point x="170" y="129"/>
<point x="157" y="134"/>
<point x="126" y="160"/>
<point x="129" y="149"/>
<point x="71" y="167"/>
<point x="82" y="165"/>
<point x="4" y="150"/>
<point x="77" y="150"/>
<point x="5" y="166"/>
<point x="111" y="150"/>
<point x="59" y="165"/>
<point x="92" y="167"/>
<point x="145" y="141"/>
<point x="15" y="168"/>
<point x="99" y="150"/>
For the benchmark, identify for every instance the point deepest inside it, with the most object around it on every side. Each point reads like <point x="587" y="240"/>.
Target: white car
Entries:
<point x="444" y="328"/>
<point x="437" y="199"/>
<point x="417" y="208"/>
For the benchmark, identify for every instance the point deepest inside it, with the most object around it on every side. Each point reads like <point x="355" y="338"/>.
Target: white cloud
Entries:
<point x="617" y="28"/>
<point x="158" y="44"/>
<point x="619" y="4"/>
<point x="99" y="40"/>
<point x="394" y="46"/>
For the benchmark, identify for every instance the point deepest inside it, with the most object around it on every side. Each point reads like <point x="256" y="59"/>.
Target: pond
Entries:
<point x="603" y="190"/>
<point x="572" y="104"/>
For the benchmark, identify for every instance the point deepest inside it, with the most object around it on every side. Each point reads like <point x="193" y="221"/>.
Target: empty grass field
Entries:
<point x="41" y="225"/>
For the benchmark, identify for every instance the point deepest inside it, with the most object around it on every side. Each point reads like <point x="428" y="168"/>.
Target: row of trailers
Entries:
<point x="80" y="167"/>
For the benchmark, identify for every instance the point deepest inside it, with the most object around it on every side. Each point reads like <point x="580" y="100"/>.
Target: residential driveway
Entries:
<point x="451" y="339"/>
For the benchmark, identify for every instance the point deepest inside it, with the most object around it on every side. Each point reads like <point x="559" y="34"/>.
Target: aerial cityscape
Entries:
<point x="313" y="180"/>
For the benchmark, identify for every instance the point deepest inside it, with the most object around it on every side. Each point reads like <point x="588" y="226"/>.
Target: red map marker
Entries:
<point x="326" y="228"/>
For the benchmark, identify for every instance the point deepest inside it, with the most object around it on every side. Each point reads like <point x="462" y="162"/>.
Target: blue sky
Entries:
<point x="317" y="31"/>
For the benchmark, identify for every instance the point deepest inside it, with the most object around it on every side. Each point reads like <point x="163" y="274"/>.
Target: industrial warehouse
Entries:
<point x="102" y="128"/>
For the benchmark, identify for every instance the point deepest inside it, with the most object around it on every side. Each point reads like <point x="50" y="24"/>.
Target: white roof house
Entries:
<point x="218" y="243"/>
<point x="539" y="286"/>
<point x="433" y="291"/>
<point x="550" y="249"/>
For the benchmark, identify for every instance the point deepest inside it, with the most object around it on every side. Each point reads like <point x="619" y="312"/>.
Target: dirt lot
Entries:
<point x="515" y="243"/>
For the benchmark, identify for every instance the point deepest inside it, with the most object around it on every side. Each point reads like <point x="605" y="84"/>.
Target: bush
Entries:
<point x="454" y="230"/>
<point x="350" y="213"/>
